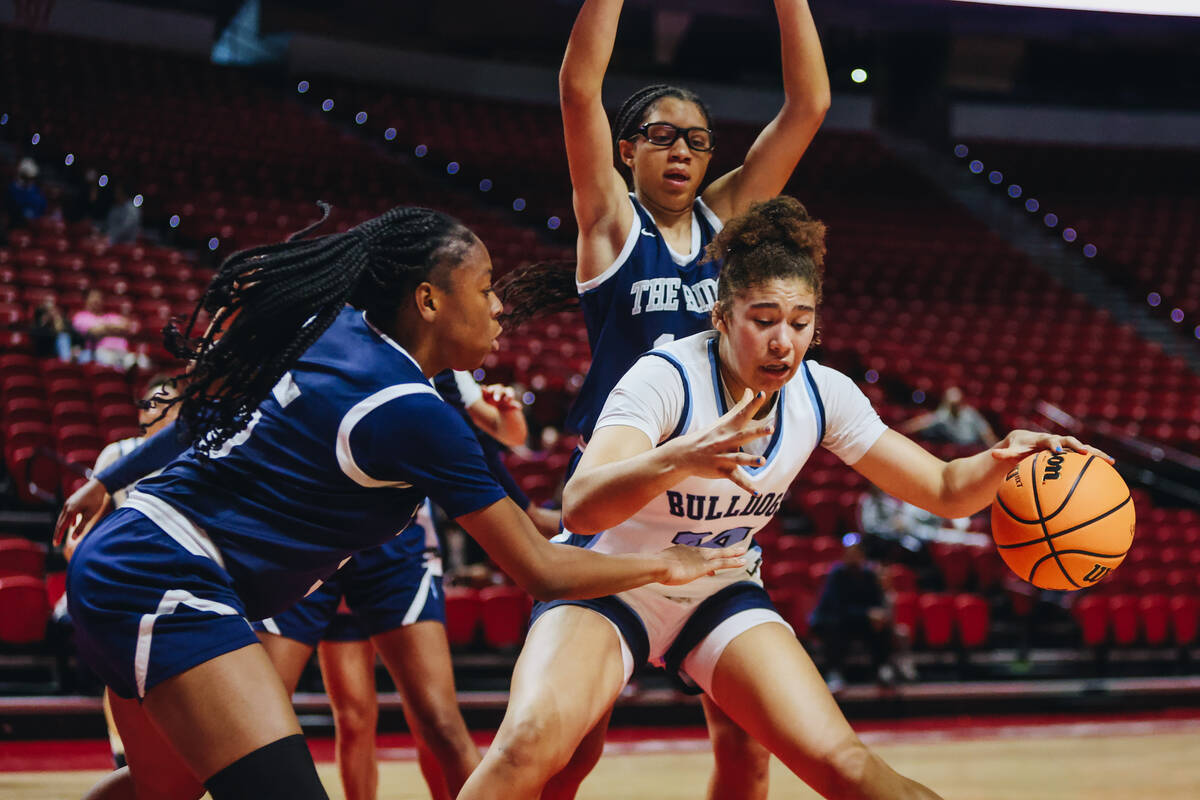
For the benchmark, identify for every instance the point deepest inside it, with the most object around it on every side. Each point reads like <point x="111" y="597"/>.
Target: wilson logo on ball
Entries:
<point x="1053" y="469"/>
<point x="1097" y="572"/>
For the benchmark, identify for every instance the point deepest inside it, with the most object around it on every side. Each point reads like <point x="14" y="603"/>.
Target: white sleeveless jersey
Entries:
<point x="676" y="389"/>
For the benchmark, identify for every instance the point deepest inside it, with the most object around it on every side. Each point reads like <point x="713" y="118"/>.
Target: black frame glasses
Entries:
<point x="675" y="132"/>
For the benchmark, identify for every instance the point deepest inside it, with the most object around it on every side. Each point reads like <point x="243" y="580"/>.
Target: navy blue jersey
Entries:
<point x="334" y="461"/>
<point x="649" y="296"/>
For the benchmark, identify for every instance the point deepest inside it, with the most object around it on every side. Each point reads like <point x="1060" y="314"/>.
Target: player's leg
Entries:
<point x="741" y="765"/>
<point x="569" y="672"/>
<point x="565" y="783"/>
<point x="289" y="657"/>
<point x="114" y="736"/>
<point x="230" y="719"/>
<point x="153" y="768"/>
<point x="767" y="683"/>
<point x="417" y="657"/>
<point x="348" y="669"/>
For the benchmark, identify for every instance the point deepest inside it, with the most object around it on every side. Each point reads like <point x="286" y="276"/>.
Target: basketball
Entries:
<point x="1063" y="521"/>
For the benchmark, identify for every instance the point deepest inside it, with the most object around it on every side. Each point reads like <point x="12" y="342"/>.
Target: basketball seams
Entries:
<point x="1089" y="553"/>
<point x="1072" y="529"/>
<point x="1037" y="504"/>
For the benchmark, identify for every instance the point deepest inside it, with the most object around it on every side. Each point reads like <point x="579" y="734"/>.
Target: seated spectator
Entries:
<point x="25" y="199"/>
<point x="124" y="222"/>
<point x="887" y="517"/>
<point x="50" y="333"/>
<point x="952" y="421"/>
<point x="103" y="333"/>
<point x="852" y="608"/>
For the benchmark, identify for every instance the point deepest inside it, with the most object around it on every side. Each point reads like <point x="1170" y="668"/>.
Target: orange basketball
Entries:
<point x="1063" y="521"/>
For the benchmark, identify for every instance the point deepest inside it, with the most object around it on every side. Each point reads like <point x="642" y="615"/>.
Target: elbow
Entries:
<point x="576" y="515"/>
<point x="573" y="90"/>
<point x="545" y="590"/>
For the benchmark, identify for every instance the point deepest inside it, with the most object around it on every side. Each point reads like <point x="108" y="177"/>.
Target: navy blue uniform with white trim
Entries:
<point x="333" y="462"/>
<point x="649" y="296"/>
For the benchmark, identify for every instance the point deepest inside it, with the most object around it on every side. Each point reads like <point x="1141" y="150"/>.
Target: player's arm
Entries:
<point x="621" y="469"/>
<point x="957" y="488"/>
<point x="598" y="192"/>
<point x="551" y="572"/>
<point x="88" y="503"/>
<point x="779" y="147"/>
<point x="499" y="414"/>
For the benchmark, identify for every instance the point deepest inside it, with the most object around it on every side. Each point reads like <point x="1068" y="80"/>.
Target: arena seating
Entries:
<point x="918" y="296"/>
<point x="1138" y="207"/>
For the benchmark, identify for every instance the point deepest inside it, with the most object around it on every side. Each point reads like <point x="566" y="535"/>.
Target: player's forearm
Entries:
<point x="576" y="573"/>
<point x="969" y="484"/>
<point x="805" y="79"/>
<point x="589" y="50"/>
<point x="597" y="498"/>
<point x="511" y="428"/>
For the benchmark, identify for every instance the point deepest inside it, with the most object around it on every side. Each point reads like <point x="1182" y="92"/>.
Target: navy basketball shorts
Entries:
<point x="686" y="636"/>
<point x="382" y="592"/>
<point x="149" y="604"/>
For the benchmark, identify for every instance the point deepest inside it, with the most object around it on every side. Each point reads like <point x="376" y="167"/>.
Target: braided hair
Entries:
<point x="270" y="303"/>
<point x="632" y="114"/>
<point x="773" y="239"/>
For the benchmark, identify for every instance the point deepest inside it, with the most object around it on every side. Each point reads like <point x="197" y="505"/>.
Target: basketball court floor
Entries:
<point x="1127" y="757"/>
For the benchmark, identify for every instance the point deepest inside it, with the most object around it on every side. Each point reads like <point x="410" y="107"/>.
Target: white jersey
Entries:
<point x="676" y="389"/>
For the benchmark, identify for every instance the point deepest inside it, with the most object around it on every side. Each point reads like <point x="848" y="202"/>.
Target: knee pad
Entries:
<point x="281" y="770"/>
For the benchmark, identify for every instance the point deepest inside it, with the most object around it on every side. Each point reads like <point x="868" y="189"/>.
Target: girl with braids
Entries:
<point x="697" y="445"/>
<point x="641" y="277"/>
<point x="315" y="434"/>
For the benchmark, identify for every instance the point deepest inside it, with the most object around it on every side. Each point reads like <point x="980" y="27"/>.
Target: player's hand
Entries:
<point x="716" y="452"/>
<point x="502" y="397"/>
<point x="1019" y="444"/>
<point x="686" y="563"/>
<point x="83" y="508"/>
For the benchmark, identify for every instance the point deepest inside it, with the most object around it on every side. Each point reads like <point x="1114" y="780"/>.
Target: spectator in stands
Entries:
<point x="124" y="222"/>
<point x="25" y="199"/>
<point x="852" y="608"/>
<point x="89" y="200"/>
<point x="888" y="517"/>
<point x="50" y="333"/>
<point x="953" y="421"/>
<point x="103" y="333"/>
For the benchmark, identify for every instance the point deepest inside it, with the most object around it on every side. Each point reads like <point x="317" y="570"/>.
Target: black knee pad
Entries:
<point x="281" y="770"/>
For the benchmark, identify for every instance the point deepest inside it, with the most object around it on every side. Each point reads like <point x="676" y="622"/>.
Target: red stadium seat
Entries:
<point x="1155" y="615"/>
<point x="22" y="557"/>
<point x="1123" y="612"/>
<point x="973" y="619"/>
<point x="24" y="609"/>
<point x="904" y="612"/>
<point x="505" y="614"/>
<point x="937" y="618"/>
<point x="899" y="578"/>
<point x="1091" y="612"/>
<point x="1185" y="618"/>
<point x="954" y="562"/>
<point x="463" y="613"/>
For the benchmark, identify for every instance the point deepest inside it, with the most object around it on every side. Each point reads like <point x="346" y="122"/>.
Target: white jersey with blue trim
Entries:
<point x="676" y="389"/>
<point x="336" y="460"/>
<point x="651" y="294"/>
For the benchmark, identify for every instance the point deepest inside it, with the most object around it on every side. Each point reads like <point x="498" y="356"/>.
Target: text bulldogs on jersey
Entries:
<point x="699" y="506"/>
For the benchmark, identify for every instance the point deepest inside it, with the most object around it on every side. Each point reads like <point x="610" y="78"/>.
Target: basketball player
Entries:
<point x="676" y="457"/>
<point x="151" y="418"/>
<point x="640" y="274"/>
<point x="314" y="424"/>
<point x="398" y="610"/>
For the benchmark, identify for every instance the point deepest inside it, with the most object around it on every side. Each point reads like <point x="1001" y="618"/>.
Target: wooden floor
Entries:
<point x="1153" y="766"/>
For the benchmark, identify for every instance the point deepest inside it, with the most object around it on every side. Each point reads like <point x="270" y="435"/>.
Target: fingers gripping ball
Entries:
<point x="1063" y="521"/>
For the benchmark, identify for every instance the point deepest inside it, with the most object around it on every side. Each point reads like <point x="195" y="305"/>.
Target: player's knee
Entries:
<point x="848" y="762"/>
<point x="531" y="745"/>
<point x="356" y="719"/>
<point x="281" y="770"/>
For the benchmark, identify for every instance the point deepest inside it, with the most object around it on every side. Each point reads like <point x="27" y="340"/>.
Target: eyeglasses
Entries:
<point x="664" y="134"/>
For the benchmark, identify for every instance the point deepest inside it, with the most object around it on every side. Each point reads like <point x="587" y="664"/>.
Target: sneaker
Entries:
<point x="835" y="681"/>
<point x="907" y="670"/>
<point x="887" y="674"/>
